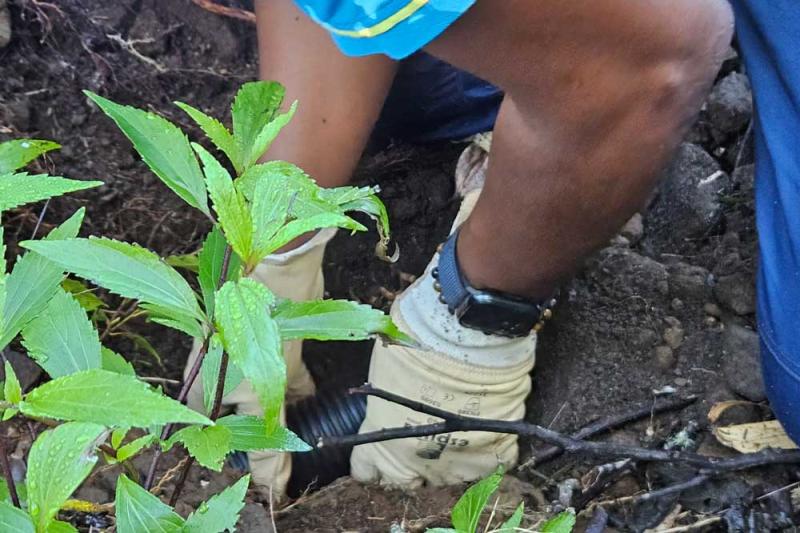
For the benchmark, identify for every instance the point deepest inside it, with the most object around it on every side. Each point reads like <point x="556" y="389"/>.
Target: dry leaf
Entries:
<point x="718" y="408"/>
<point x="754" y="437"/>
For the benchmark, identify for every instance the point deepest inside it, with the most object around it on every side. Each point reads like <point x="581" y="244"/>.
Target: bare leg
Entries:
<point x="339" y="97"/>
<point x="598" y="94"/>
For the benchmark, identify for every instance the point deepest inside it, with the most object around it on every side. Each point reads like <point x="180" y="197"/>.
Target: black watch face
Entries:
<point x="497" y="315"/>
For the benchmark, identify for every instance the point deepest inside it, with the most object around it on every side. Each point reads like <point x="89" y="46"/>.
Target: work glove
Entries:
<point x="457" y="369"/>
<point x="297" y="275"/>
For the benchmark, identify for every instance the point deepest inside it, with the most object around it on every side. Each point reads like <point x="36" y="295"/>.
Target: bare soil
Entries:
<point x="653" y="310"/>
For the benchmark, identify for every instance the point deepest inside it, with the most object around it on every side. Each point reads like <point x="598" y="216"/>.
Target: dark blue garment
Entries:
<point x="431" y="100"/>
<point x="769" y="38"/>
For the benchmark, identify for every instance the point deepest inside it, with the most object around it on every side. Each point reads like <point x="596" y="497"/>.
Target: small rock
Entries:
<point x="737" y="292"/>
<point x="712" y="309"/>
<point x="672" y="322"/>
<point x="676" y="304"/>
<point x="633" y="229"/>
<point x="744" y="178"/>
<point x="254" y="517"/>
<point x="730" y="105"/>
<point x="620" y="240"/>
<point x="681" y="382"/>
<point x="740" y="364"/>
<point x="710" y="321"/>
<point x="673" y="337"/>
<point x="665" y="357"/>
<point x="689" y="282"/>
<point x="5" y="24"/>
<point x="688" y="203"/>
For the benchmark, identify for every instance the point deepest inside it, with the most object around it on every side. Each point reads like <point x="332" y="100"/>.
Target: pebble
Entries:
<point x="673" y="337"/>
<point x="681" y="382"/>
<point x="737" y="292"/>
<point x="665" y="357"/>
<point x="712" y="309"/>
<point x="676" y="304"/>
<point x="741" y="364"/>
<point x="730" y="105"/>
<point x="633" y="228"/>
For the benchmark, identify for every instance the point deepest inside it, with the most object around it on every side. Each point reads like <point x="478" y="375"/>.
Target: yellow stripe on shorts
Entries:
<point x="385" y="25"/>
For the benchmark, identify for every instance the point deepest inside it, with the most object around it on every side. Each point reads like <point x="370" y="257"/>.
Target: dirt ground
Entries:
<point x="667" y="307"/>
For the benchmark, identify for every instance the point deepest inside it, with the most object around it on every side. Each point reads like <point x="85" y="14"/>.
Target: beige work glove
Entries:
<point x="297" y="275"/>
<point x="457" y="369"/>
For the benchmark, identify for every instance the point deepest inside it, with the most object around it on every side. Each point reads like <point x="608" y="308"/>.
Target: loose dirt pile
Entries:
<point x="668" y="306"/>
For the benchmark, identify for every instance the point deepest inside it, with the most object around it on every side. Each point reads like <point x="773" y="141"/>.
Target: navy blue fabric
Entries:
<point x="768" y="33"/>
<point x="432" y="101"/>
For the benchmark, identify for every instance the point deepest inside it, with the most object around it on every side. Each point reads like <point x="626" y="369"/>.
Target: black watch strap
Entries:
<point x="492" y="312"/>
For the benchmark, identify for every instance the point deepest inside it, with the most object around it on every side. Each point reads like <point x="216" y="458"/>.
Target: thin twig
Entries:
<point x="241" y="14"/>
<point x="168" y="475"/>
<point x="452" y="422"/>
<point x="669" y="490"/>
<point x="40" y="219"/>
<point x="176" y="493"/>
<point x="604" y="425"/>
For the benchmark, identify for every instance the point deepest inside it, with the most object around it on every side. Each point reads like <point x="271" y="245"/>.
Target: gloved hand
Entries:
<point x="296" y="274"/>
<point x="457" y="369"/>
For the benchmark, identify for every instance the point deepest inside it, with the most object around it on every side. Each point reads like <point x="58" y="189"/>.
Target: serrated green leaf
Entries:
<point x="252" y="340"/>
<point x="467" y="511"/>
<point x="208" y="445"/>
<point x="106" y="398"/>
<point x="209" y="374"/>
<point x="59" y="461"/>
<point x="126" y="451"/>
<point x="13" y="519"/>
<point x="229" y="204"/>
<point x="32" y="283"/>
<point x="163" y="146"/>
<point x="255" y="106"/>
<point x="512" y="524"/>
<point x="138" y="511"/>
<point x="19" y="189"/>
<point x="269" y="210"/>
<point x="267" y="135"/>
<point x="221" y="512"/>
<point x="249" y="433"/>
<point x="125" y="269"/>
<point x="61" y="338"/>
<point x="217" y="133"/>
<point x="12" y="391"/>
<point x="17" y="153"/>
<point x="211" y="261"/>
<point x="295" y="228"/>
<point x="334" y="320"/>
<point x="293" y="178"/>
<point x="174" y="318"/>
<point x="82" y="294"/>
<point x="114" y="362"/>
<point x="563" y="522"/>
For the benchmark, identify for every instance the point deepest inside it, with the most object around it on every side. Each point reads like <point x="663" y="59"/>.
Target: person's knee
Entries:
<point x="692" y="50"/>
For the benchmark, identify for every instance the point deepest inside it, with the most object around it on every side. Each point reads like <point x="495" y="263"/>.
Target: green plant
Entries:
<point x="95" y="405"/>
<point x="467" y="512"/>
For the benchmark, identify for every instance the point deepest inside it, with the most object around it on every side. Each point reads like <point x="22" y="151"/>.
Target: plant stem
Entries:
<point x="187" y="385"/>
<point x="12" y="486"/>
<point x="215" y="412"/>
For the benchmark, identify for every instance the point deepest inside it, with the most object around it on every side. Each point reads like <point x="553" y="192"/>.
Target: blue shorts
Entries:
<point x="396" y="28"/>
<point x="769" y="39"/>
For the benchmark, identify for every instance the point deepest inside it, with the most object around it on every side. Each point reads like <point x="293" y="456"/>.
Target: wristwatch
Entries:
<point x="493" y="312"/>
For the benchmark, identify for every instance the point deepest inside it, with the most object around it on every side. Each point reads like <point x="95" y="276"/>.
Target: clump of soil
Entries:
<point x="667" y="306"/>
